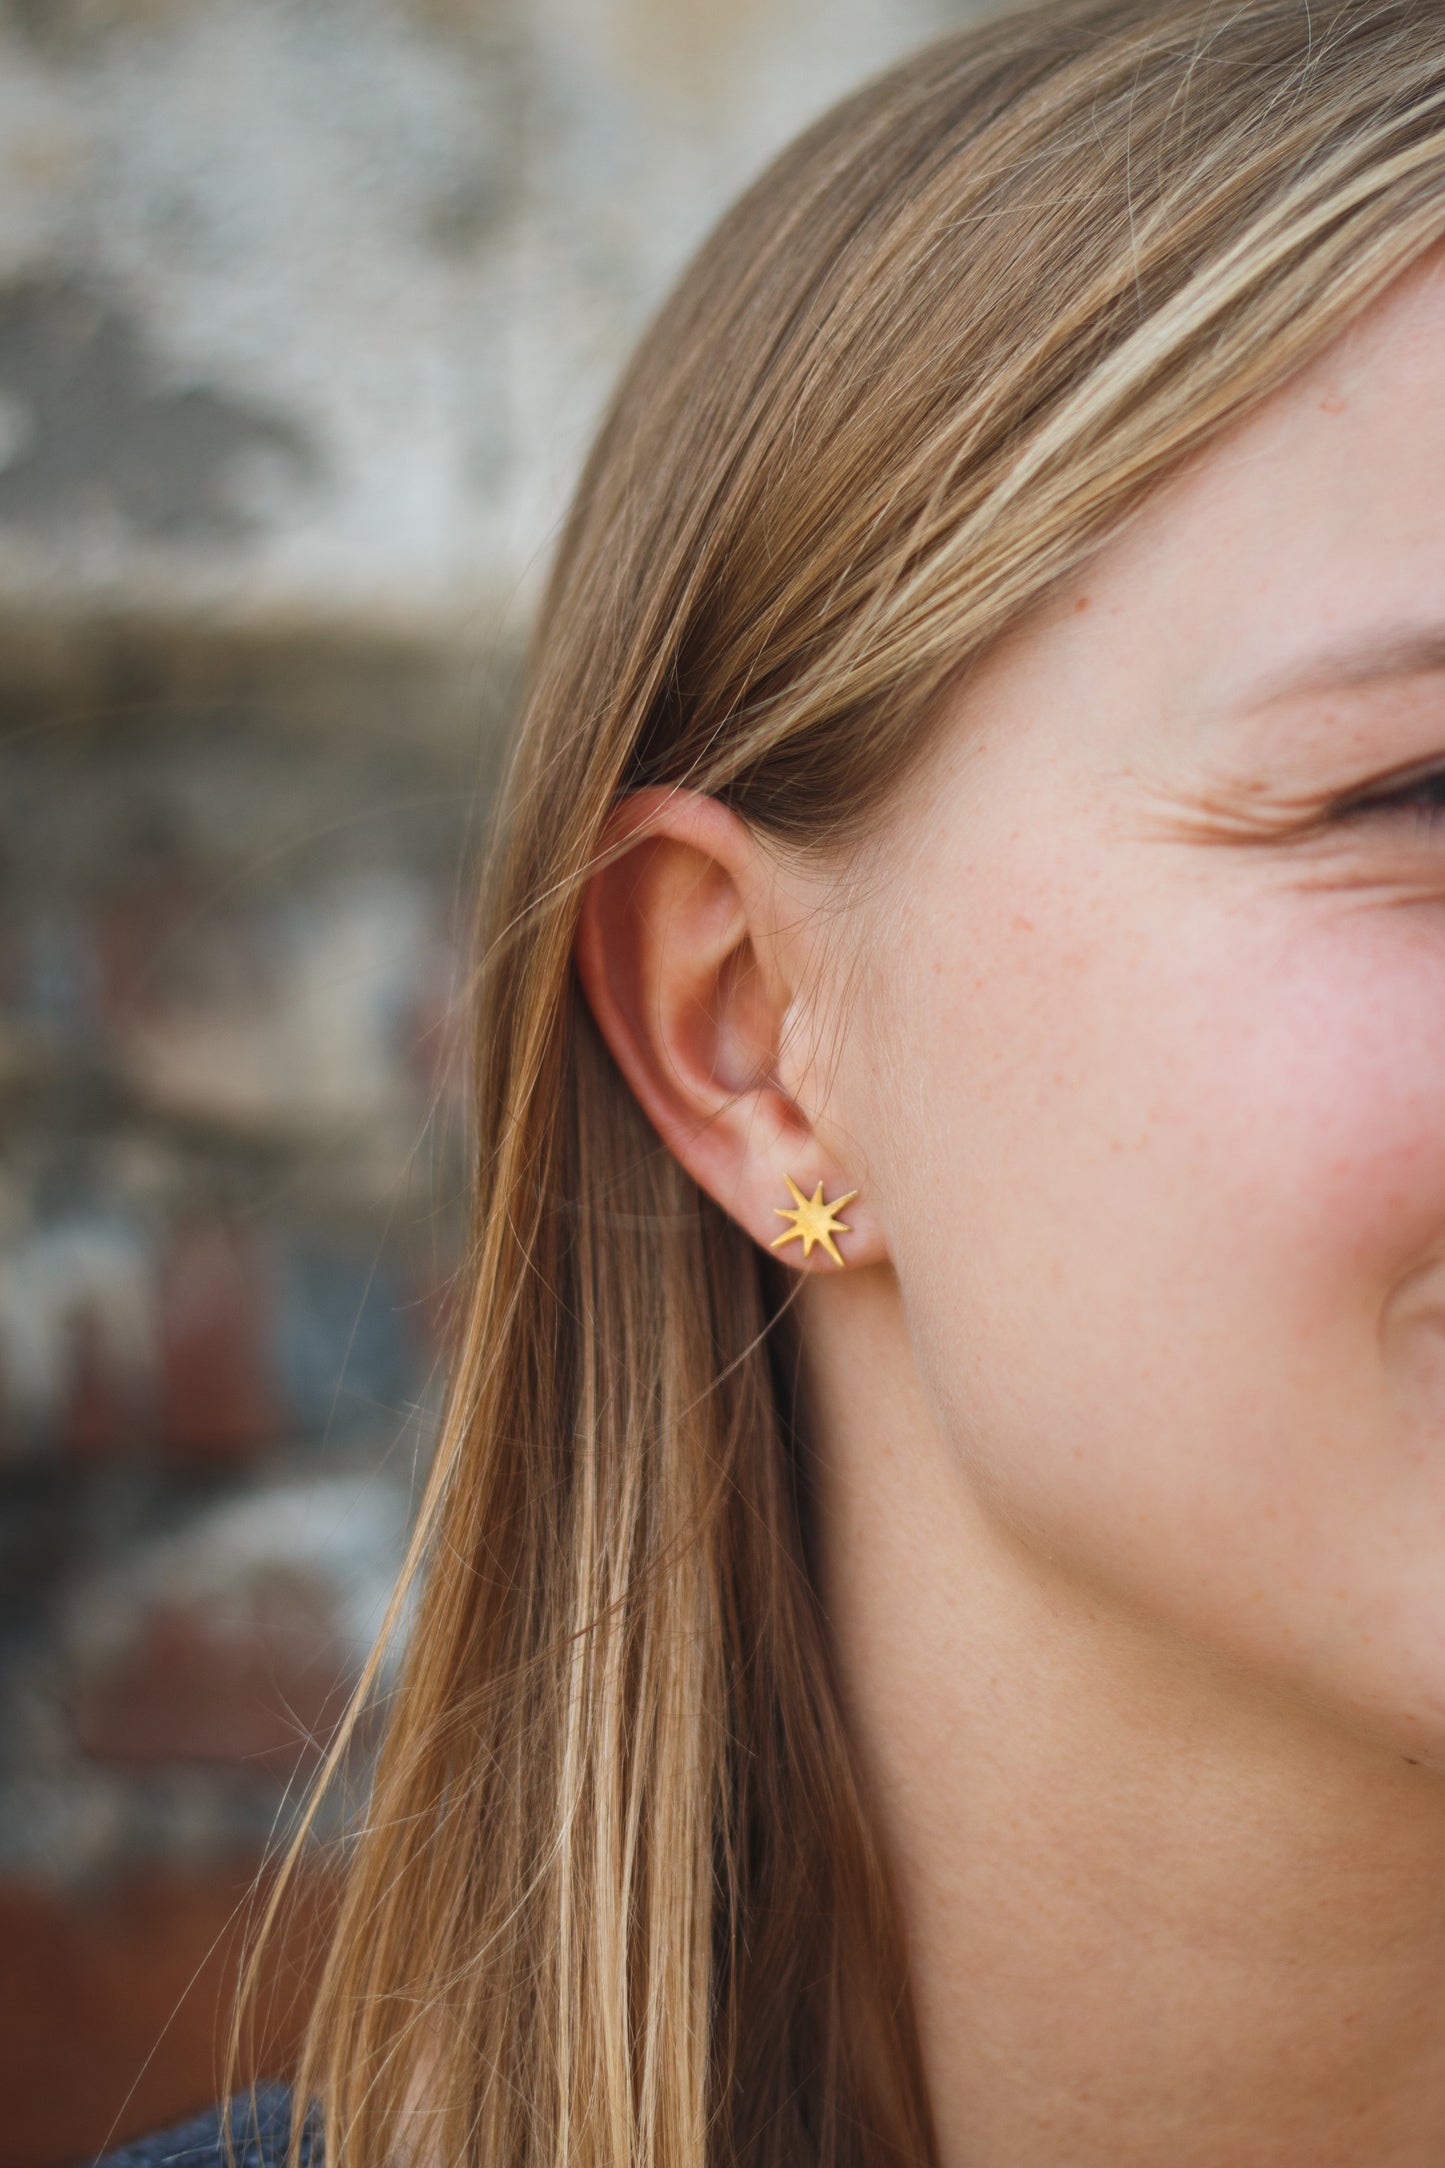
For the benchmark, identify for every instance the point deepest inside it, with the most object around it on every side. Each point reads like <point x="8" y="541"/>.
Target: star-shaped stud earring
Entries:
<point x="813" y="1221"/>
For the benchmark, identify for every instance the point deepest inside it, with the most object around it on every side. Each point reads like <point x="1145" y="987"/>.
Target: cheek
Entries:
<point x="1168" y="1197"/>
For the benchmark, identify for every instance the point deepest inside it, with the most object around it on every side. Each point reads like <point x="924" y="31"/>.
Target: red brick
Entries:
<point x="114" y="2007"/>
<point x="218" y="1401"/>
<point x="265" y="1691"/>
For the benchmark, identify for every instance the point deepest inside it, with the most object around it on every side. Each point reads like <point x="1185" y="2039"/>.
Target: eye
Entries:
<point x="1420" y="803"/>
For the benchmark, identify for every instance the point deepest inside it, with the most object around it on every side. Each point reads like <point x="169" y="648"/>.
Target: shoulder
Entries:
<point x="259" y="2128"/>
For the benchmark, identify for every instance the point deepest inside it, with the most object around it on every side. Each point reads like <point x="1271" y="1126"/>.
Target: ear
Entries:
<point x="686" y="966"/>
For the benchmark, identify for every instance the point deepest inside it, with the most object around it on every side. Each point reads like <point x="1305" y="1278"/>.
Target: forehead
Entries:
<point x="1298" y="547"/>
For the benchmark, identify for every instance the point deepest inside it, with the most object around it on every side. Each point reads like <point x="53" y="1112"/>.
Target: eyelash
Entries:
<point x="1424" y="798"/>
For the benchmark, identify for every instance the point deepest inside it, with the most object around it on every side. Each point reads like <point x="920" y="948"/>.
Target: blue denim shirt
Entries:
<point x="260" y="2132"/>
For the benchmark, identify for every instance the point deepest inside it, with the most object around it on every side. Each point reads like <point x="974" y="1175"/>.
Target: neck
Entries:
<point x="1153" y="1909"/>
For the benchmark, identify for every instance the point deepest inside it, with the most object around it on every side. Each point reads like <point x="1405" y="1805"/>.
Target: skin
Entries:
<point x="1129" y="1401"/>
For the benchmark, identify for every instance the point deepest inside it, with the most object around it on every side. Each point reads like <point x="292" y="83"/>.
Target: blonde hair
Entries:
<point x="617" y="1903"/>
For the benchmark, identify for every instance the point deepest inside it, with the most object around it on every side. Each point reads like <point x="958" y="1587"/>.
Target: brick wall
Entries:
<point x="231" y="1088"/>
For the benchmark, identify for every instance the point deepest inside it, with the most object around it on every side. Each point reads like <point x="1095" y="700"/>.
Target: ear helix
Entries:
<point x="813" y="1220"/>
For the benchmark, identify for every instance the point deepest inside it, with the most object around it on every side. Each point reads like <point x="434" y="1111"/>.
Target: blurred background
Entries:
<point x="306" y="310"/>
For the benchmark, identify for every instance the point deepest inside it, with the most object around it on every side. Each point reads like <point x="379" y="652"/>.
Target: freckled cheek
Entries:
<point x="1263" y="1099"/>
<point x="1156" y="1180"/>
<point x="1328" y="1092"/>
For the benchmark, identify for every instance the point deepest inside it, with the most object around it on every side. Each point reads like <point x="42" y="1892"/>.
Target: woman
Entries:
<point x="932" y="1638"/>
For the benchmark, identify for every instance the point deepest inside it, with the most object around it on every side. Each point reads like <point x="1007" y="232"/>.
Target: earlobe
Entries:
<point x="678" y="955"/>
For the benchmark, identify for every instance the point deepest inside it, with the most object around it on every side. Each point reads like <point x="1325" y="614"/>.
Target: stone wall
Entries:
<point x="306" y="308"/>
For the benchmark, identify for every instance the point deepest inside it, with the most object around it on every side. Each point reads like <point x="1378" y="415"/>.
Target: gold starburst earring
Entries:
<point x="813" y="1221"/>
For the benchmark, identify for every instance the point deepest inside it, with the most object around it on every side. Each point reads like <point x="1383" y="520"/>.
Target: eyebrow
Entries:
<point x="1378" y="659"/>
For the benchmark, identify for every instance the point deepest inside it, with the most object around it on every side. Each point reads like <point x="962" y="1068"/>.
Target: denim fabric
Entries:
<point x="260" y="2131"/>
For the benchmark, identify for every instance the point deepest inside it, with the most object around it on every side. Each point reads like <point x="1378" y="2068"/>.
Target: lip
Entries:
<point x="1424" y="1282"/>
<point x="1412" y="1343"/>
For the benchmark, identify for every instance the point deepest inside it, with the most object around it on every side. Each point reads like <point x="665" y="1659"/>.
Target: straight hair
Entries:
<point x="617" y="1902"/>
